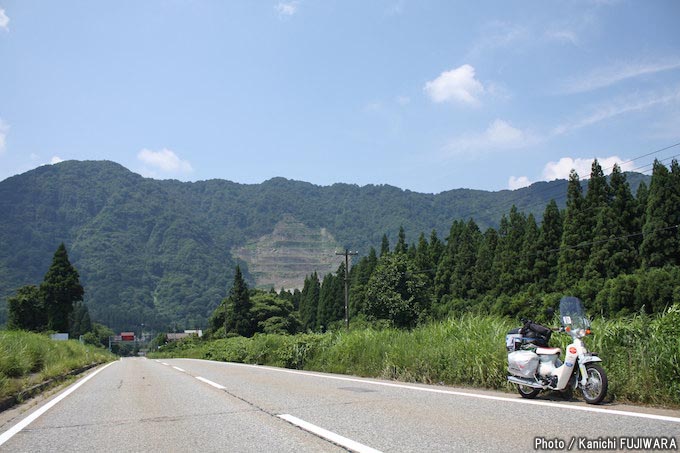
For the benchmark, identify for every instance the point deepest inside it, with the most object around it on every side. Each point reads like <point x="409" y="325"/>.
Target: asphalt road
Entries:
<point x="193" y="405"/>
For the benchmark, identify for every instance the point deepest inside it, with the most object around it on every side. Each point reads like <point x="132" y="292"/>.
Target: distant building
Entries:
<point x="187" y="333"/>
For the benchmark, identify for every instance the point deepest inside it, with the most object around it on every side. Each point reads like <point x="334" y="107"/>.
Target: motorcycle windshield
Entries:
<point x="572" y="313"/>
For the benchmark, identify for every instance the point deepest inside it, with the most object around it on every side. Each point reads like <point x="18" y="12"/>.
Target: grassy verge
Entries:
<point x="641" y="354"/>
<point x="27" y="359"/>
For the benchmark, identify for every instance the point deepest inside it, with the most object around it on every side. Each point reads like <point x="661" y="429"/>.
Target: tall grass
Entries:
<point x="641" y="354"/>
<point x="28" y="358"/>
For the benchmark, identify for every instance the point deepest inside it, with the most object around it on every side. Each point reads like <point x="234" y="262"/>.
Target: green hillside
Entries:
<point x="162" y="253"/>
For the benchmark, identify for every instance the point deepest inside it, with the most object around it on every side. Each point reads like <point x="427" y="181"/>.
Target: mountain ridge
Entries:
<point x="160" y="252"/>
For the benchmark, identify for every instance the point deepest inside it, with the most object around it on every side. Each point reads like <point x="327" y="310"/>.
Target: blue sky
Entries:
<point x="423" y="95"/>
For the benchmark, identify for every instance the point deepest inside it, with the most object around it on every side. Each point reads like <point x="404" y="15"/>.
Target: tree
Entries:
<point x="61" y="288"/>
<point x="331" y="299"/>
<point x="99" y="335"/>
<point x="598" y="194"/>
<point x="272" y="313"/>
<point x="528" y="256"/>
<point x="309" y="302"/>
<point x="359" y="276"/>
<point x="661" y="241"/>
<point x="384" y="246"/>
<point x="573" y="254"/>
<point x="436" y="248"/>
<point x="548" y="247"/>
<point x="401" y="246"/>
<point x="626" y="214"/>
<point x="464" y="261"/>
<point x="80" y="322"/>
<point x="396" y="292"/>
<point x="238" y="319"/>
<point x="26" y="310"/>
<point x="442" y="279"/>
<point x="603" y="247"/>
<point x="484" y="279"/>
<point x="511" y="234"/>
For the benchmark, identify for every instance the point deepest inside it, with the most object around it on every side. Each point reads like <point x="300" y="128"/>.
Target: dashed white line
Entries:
<point x="7" y="435"/>
<point x="328" y="435"/>
<point x="214" y="384"/>
<point x="599" y="410"/>
<point x="179" y="369"/>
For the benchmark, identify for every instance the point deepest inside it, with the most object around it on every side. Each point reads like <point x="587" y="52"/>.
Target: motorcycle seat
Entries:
<point x="547" y="351"/>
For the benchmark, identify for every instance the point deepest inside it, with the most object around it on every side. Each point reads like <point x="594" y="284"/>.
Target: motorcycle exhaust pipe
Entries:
<point x="527" y="382"/>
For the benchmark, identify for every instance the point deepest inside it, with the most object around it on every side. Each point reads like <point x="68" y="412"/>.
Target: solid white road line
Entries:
<point x="179" y="369"/>
<point x="214" y="384"/>
<point x="599" y="410"/>
<point x="7" y="435"/>
<point x="328" y="435"/>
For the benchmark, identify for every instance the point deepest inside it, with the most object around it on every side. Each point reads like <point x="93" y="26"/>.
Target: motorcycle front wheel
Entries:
<point x="596" y="384"/>
<point x="528" y="392"/>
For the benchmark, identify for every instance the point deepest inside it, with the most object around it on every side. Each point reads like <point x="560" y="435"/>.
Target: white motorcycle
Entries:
<point x="535" y="367"/>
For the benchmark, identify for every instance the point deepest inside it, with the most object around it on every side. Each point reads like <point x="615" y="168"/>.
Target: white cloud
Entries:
<point x="373" y="106"/>
<point x="620" y="106"/>
<point x="562" y="168"/>
<point x="165" y="160"/>
<point x="610" y="75"/>
<point x="499" y="135"/>
<point x="396" y="8"/>
<point x="4" y="20"/>
<point x="4" y="129"/>
<point x="56" y="160"/>
<point x="498" y="35"/>
<point x="515" y="183"/>
<point x="562" y="35"/>
<point x="456" y="85"/>
<point x="287" y="8"/>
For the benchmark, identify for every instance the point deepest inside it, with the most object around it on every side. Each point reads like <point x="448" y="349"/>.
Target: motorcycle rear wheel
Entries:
<point x="528" y="392"/>
<point x="596" y="384"/>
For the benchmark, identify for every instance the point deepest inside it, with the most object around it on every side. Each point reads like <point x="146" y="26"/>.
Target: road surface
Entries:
<point x="181" y="405"/>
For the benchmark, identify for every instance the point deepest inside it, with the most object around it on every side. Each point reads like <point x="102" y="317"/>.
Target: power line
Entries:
<point x="602" y="241"/>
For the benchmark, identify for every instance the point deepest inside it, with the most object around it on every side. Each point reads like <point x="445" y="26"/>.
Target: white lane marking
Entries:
<point x="179" y="369"/>
<point x="599" y="410"/>
<point x="214" y="384"/>
<point x="166" y="364"/>
<point x="329" y="435"/>
<point x="7" y="435"/>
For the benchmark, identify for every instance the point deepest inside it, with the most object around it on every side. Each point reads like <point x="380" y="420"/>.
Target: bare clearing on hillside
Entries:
<point x="292" y="251"/>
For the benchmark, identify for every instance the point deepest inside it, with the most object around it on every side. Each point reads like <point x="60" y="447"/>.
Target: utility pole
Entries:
<point x="347" y="254"/>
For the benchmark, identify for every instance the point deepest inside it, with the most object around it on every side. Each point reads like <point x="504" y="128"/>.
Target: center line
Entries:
<point x="179" y="369"/>
<point x="328" y="435"/>
<point x="214" y="384"/>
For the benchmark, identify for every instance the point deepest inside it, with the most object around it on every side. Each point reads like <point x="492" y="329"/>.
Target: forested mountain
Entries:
<point x="163" y="252"/>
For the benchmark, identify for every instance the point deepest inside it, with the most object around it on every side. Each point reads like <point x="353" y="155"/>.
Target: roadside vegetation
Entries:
<point x="438" y="311"/>
<point x="641" y="353"/>
<point x="28" y="356"/>
<point x="28" y="359"/>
